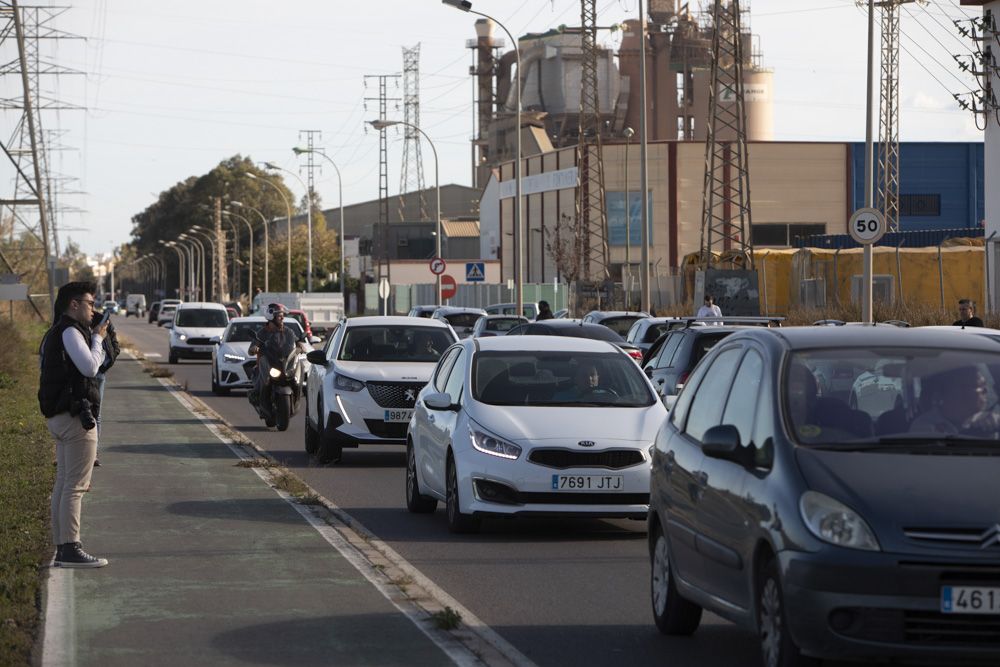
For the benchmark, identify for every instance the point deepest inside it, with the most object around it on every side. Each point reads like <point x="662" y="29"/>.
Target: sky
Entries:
<point x="168" y="90"/>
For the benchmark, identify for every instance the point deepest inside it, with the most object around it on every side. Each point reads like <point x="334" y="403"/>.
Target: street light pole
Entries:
<point x="196" y="243"/>
<point x="866" y="287"/>
<point x="288" y="205"/>
<point x="250" y="228"/>
<point x="180" y="265"/>
<point x="192" y="279"/>
<point x="309" y="224"/>
<point x="626" y="273"/>
<point x="340" y="206"/>
<point x="643" y="170"/>
<point x="266" y="252"/>
<point x="381" y="124"/>
<point x="466" y="6"/>
<point x="206" y="235"/>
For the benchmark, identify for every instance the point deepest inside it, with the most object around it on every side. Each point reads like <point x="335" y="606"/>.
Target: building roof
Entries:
<point x="455" y="229"/>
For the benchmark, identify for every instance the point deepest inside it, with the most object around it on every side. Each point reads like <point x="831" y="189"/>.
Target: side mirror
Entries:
<point x="215" y="340"/>
<point x="315" y="340"/>
<point x="317" y="357"/>
<point x="648" y="370"/>
<point x="439" y="401"/>
<point x="722" y="442"/>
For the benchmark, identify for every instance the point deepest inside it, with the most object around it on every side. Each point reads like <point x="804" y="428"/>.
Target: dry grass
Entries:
<point x="446" y="619"/>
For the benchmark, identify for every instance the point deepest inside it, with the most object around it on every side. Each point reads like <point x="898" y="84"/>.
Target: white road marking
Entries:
<point x="151" y="354"/>
<point x="59" y="630"/>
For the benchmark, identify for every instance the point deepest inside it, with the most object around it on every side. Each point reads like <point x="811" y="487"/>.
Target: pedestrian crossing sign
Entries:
<point x="475" y="272"/>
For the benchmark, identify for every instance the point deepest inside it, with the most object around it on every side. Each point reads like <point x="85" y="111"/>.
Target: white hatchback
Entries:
<point x="362" y="386"/>
<point x="533" y="425"/>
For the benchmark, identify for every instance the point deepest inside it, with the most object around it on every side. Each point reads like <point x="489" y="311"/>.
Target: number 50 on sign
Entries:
<point x="866" y="226"/>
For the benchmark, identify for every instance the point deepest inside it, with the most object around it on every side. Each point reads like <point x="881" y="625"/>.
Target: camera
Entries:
<point x="87" y="415"/>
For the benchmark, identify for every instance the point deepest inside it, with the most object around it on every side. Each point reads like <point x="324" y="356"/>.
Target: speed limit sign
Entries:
<point x="866" y="226"/>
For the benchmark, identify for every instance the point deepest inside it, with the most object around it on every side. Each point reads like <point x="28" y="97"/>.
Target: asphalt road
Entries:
<point x="564" y="592"/>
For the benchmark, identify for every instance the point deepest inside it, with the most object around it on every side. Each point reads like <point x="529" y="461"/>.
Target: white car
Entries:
<point x="533" y="425"/>
<point x="166" y="314"/>
<point x="363" y="384"/>
<point x="230" y="356"/>
<point x="462" y="320"/>
<point x="194" y="326"/>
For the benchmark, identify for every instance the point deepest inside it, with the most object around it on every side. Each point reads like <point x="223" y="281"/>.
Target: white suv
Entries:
<point x="363" y="384"/>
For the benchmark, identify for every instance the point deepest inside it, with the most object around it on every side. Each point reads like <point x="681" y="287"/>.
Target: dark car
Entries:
<point x="619" y="321"/>
<point x="647" y="330"/>
<point x="576" y="329"/>
<point x="834" y="531"/>
<point x="154" y="312"/>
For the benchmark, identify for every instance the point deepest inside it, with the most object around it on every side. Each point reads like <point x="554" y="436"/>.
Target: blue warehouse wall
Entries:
<point x="951" y="171"/>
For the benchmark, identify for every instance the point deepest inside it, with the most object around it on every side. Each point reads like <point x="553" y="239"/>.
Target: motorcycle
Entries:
<point x="281" y="390"/>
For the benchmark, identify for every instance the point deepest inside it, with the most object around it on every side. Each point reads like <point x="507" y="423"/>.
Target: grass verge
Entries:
<point x="26" y="457"/>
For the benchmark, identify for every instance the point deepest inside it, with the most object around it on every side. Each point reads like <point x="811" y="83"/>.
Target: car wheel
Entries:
<point x="776" y="646"/>
<point x="329" y="451"/>
<point x="311" y="434"/>
<point x="415" y="501"/>
<point x="673" y="614"/>
<point x="172" y="357"/>
<point x="216" y="388"/>
<point x="457" y="521"/>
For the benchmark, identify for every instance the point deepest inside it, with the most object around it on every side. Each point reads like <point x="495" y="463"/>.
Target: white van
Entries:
<point x="135" y="304"/>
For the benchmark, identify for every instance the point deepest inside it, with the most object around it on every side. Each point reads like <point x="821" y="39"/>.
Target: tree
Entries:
<point x="326" y="258"/>
<point x="74" y="259"/>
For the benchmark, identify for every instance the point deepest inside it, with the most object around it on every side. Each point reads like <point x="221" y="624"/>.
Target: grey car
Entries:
<point x="496" y="325"/>
<point x="834" y="531"/>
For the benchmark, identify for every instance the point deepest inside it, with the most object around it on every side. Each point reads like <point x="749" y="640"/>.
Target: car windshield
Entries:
<point x="620" y="325"/>
<point x="568" y="379"/>
<point x="201" y="317"/>
<point x="898" y="397"/>
<point x="502" y="324"/>
<point x="394" y="343"/>
<point x="243" y="332"/>
<point x="463" y="320"/>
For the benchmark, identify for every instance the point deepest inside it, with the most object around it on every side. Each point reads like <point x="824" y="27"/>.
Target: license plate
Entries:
<point x="970" y="600"/>
<point x="588" y="482"/>
<point x="397" y="416"/>
<point x="202" y="348"/>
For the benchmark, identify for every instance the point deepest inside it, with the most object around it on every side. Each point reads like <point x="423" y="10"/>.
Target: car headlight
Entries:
<point x="274" y="372"/>
<point x="345" y="383"/>
<point x="181" y="336"/>
<point x="836" y="523"/>
<point x="487" y="443"/>
<point x="234" y="358"/>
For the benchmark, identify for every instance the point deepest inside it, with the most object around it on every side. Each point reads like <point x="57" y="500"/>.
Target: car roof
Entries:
<point x="388" y="320"/>
<point x="617" y="313"/>
<point x="796" y="338"/>
<point x="541" y="343"/>
<point x="425" y="307"/>
<point x="248" y="318"/>
<point x="449" y="310"/>
<point x="509" y="316"/>
<point x="204" y="305"/>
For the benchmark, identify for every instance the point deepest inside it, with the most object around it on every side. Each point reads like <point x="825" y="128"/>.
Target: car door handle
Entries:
<point x="660" y="381"/>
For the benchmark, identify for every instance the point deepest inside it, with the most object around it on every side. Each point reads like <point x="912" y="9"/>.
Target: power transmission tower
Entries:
<point x="412" y="178"/>
<point x="726" y="222"/>
<point x="887" y="180"/>
<point x="591" y="213"/>
<point x="380" y="251"/>
<point x="26" y="27"/>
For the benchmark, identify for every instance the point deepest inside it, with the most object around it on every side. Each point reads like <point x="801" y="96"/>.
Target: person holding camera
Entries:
<point x="69" y="397"/>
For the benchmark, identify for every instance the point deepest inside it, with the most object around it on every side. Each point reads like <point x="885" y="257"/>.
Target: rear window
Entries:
<point x="591" y="331"/>
<point x="502" y="324"/>
<point x="201" y="317"/>
<point x="620" y="325"/>
<point x="464" y="320"/>
<point x="655" y="331"/>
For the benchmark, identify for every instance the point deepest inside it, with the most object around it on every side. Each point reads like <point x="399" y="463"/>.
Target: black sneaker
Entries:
<point x="72" y="554"/>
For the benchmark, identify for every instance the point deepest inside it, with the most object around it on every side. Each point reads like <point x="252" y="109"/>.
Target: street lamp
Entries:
<point x="206" y="236"/>
<point x="466" y="6"/>
<point x="628" y="132"/>
<point x="200" y="247"/>
<point x="309" y="224"/>
<point x="180" y="263"/>
<point x="266" y="251"/>
<point x="288" y="205"/>
<point x="192" y="289"/>
<point x="340" y="194"/>
<point x="249" y="227"/>
<point x="381" y="124"/>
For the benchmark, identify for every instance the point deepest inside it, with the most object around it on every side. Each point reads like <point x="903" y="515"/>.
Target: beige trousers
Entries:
<point x="76" y="450"/>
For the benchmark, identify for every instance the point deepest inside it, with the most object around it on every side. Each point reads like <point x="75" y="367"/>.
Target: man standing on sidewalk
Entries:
<point x="69" y="397"/>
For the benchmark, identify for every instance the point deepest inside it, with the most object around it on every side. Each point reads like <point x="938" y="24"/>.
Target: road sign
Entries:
<point x="866" y="226"/>
<point x="475" y="272"/>
<point x="438" y="266"/>
<point x="448" y="287"/>
<point x="383" y="288"/>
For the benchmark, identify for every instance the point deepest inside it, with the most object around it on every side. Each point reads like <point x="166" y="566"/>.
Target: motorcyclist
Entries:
<point x="274" y="334"/>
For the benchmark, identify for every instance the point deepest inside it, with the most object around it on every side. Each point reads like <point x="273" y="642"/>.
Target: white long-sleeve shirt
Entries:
<point x="87" y="361"/>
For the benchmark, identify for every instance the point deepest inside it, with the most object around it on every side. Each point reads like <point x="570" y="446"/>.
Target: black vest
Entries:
<point x="62" y="385"/>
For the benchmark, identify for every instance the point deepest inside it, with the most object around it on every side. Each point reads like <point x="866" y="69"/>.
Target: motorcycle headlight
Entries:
<point x="274" y="372"/>
<point x="836" y="523"/>
<point x="345" y="383"/>
<point x="234" y="358"/>
<point x="487" y="443"/>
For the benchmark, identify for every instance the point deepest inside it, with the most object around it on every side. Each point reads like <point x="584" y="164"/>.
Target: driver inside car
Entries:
<point x="958" y="405"/>
<point x="587" y="381"/>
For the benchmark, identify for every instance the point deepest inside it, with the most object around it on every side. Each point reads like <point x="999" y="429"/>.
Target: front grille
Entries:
<point x="394" y="394"/>
<point x="937" y="629"/>
<point x="388" y="430"/>
<point x="199" y="341"/>
<point x="584" y="498"/>
<point x="613" y="459"/>
<point x="976" y="538"/>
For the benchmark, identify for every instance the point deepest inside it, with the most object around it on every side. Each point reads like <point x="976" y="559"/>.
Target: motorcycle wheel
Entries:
<point x="283" y="410"/>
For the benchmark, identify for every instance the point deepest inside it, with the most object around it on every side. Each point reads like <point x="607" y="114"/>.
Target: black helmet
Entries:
<point x="273" y="309"/>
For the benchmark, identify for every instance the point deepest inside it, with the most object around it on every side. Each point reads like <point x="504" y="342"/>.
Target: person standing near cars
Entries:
<point x="69" y="397"/>
<point x="967" y="314"/>
<point x="111" y="351"/>
<point x="544" y="312"/>
<point x="709" y="309"/>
